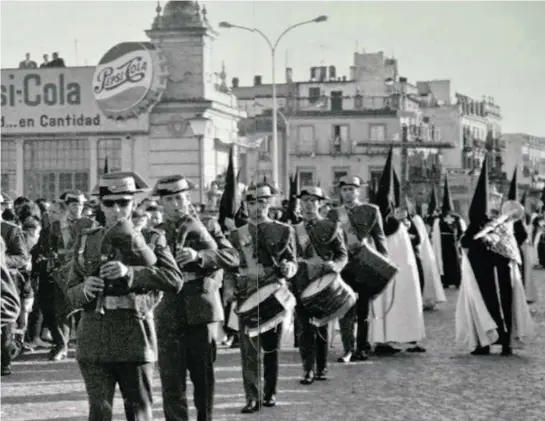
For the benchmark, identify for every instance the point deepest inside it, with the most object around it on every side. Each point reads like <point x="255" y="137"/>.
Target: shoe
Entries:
<point x="386" y="350"/>
<point x="6" y="370"/>
<point x="506" y="351"/>
<point x="360" y="356"/>
<point x="321" y="375"/>
<point x="481" y="350"/>
<point x="416" y="348"/>
<point x="269" y="401"/>
<point x="346" y="358"/>
<point x="58" y="354"/>
<point x="308" y="377"/>
<point x="251" y="407"/>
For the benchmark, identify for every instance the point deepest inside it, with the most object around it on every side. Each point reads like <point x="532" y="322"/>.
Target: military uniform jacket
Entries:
<point x="199" y="302"/>
<point x="261" y="249"/>
<point x="318" y="241"/>
<point x="361" y="223"/>
<point x="124" y="334"/>
<point x="17" y="255"/>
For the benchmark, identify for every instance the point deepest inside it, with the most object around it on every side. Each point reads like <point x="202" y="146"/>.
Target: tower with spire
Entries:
<point x="195" y="126"/>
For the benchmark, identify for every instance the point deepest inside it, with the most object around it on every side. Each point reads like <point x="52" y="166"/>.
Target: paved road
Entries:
<point x="443" y="384"/>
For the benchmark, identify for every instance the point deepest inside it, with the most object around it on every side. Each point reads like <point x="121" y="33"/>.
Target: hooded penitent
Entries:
<point x="448" y="206"/>
<point x="432" y="205"/>
<point x="385" y="198"/>
<point x="513" y="189"/>
<point x="229" y="201"/>
<point x="397" y="190"/>
<point x="478" y="209"/>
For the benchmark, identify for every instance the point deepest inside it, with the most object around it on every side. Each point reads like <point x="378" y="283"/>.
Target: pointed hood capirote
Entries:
<point x="478" y="209"/>
<point x="230" y="199"/>
<point x="411" y="209"/>
<point x="513" y="188"/>
<point x="447" y="206"/>
<point x="385" y="197"/>
<point x="432" y="205"/>
<point x="397" y="189"/>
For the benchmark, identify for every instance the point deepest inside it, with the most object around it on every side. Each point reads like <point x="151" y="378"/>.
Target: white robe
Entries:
<point x="529" y="275"/>
<point x="400" y="320"/>
<point x="474" y="325"/>
<point x="433" y="288"/>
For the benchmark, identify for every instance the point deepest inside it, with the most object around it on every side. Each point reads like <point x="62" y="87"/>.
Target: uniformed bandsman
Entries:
<point x="360" y="222"/>
<point x="116" y="341"/>
<point x="321" y="250"/>
<point x="188" y="321"/>
<point x="17" y="259"/>
<point x="268" y="255"/>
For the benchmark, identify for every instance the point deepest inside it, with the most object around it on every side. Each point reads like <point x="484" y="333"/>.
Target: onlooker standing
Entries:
<point x="46" y="61"/>
<point x="27" y="63"/>
<point x="57" y="61"/>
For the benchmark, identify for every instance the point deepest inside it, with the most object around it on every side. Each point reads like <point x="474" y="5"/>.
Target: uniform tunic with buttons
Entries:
<point x="120" y="335"/>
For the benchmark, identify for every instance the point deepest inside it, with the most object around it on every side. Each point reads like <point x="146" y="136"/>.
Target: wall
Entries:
<point x="448" y="121"/>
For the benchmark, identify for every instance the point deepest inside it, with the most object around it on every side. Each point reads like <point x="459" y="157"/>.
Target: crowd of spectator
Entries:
<point x="28" y="63"/>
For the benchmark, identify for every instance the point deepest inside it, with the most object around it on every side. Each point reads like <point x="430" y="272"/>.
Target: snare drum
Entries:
<point x="327" y="298"/>
<point x="266" y="309"/>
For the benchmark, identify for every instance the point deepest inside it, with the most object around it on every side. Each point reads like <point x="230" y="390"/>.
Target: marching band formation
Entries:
<point x="142" y="294"/>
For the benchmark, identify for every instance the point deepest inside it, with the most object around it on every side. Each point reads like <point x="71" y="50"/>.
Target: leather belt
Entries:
<point x="123" y="302"/>
<point x="191" y="276"/>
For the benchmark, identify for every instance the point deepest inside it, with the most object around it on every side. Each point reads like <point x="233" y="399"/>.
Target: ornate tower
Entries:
<point x="183" y="33"/>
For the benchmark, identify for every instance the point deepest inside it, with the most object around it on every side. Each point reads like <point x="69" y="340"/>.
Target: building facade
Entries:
<point x="331" y="125"/>
<point x="526" y="153"/>
<point x="55" y="137"/>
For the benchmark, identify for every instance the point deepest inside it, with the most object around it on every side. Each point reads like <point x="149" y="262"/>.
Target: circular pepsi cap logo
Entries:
<point x="129" y="80"/>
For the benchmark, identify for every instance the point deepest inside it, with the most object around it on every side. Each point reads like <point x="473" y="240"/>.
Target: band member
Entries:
<point x="188" y="321"/>
<point x="321" y="250"/>
<point x="52" y="256"/>
<point x="493" y="259"/>
<point x="447" y="231"/>
<point x="116" y="341"/>
<point x="17" y="258"/>
<point x="268" y="255"/>
<point x="398" y="309"/>
<point x="361" y="222"/>
<point x="11" y="303"/>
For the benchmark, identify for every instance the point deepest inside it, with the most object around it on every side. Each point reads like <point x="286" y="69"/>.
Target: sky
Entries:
<point x="487" y="48"/>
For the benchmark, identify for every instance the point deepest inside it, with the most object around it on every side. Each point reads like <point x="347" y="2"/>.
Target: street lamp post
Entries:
<point x="273" y="46"/>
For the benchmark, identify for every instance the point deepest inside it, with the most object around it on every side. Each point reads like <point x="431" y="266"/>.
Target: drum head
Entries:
<point x="319" y="285"/>
<point x="258" y="297"/>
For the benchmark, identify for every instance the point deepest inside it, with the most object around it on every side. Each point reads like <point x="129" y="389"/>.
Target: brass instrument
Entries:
<point x="499" y="233"/>
<point x="511" y="210"/>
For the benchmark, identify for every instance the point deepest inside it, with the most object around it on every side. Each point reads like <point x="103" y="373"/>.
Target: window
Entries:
<point x="54" y="166"/>
<point x="313" y="95"/>
<point x="336" y="100"/>
<point x="377" y="132"/>
<point x="110" y="148"/>
<point x="9" y="164"/>
<point x="306" y="177"/>
<point x="339" y="173"/>
<point x="340" y="131"/>
<point x="305" y="139"/>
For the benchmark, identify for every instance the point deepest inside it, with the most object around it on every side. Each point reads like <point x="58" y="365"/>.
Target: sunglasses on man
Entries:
<point x="122" y="203"/>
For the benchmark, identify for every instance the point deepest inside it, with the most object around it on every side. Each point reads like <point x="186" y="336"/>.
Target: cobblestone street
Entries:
<point x="443" y="384"/>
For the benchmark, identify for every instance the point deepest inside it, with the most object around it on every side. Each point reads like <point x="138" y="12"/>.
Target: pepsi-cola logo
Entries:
<point x="129" y="79"/>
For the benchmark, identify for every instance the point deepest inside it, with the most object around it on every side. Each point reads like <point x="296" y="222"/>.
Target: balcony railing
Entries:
<point x="345" y="103"/>
<point x="339" y="146"/>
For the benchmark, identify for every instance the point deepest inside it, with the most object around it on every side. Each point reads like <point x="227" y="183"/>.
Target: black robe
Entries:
<point x="450" y="250"/>
<point x="415" y="242"/>
<point x="487" y="267"/>
<point x="521" y="235"/>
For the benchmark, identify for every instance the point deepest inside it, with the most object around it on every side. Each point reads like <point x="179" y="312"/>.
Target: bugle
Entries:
<point x="511" y="210"/>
